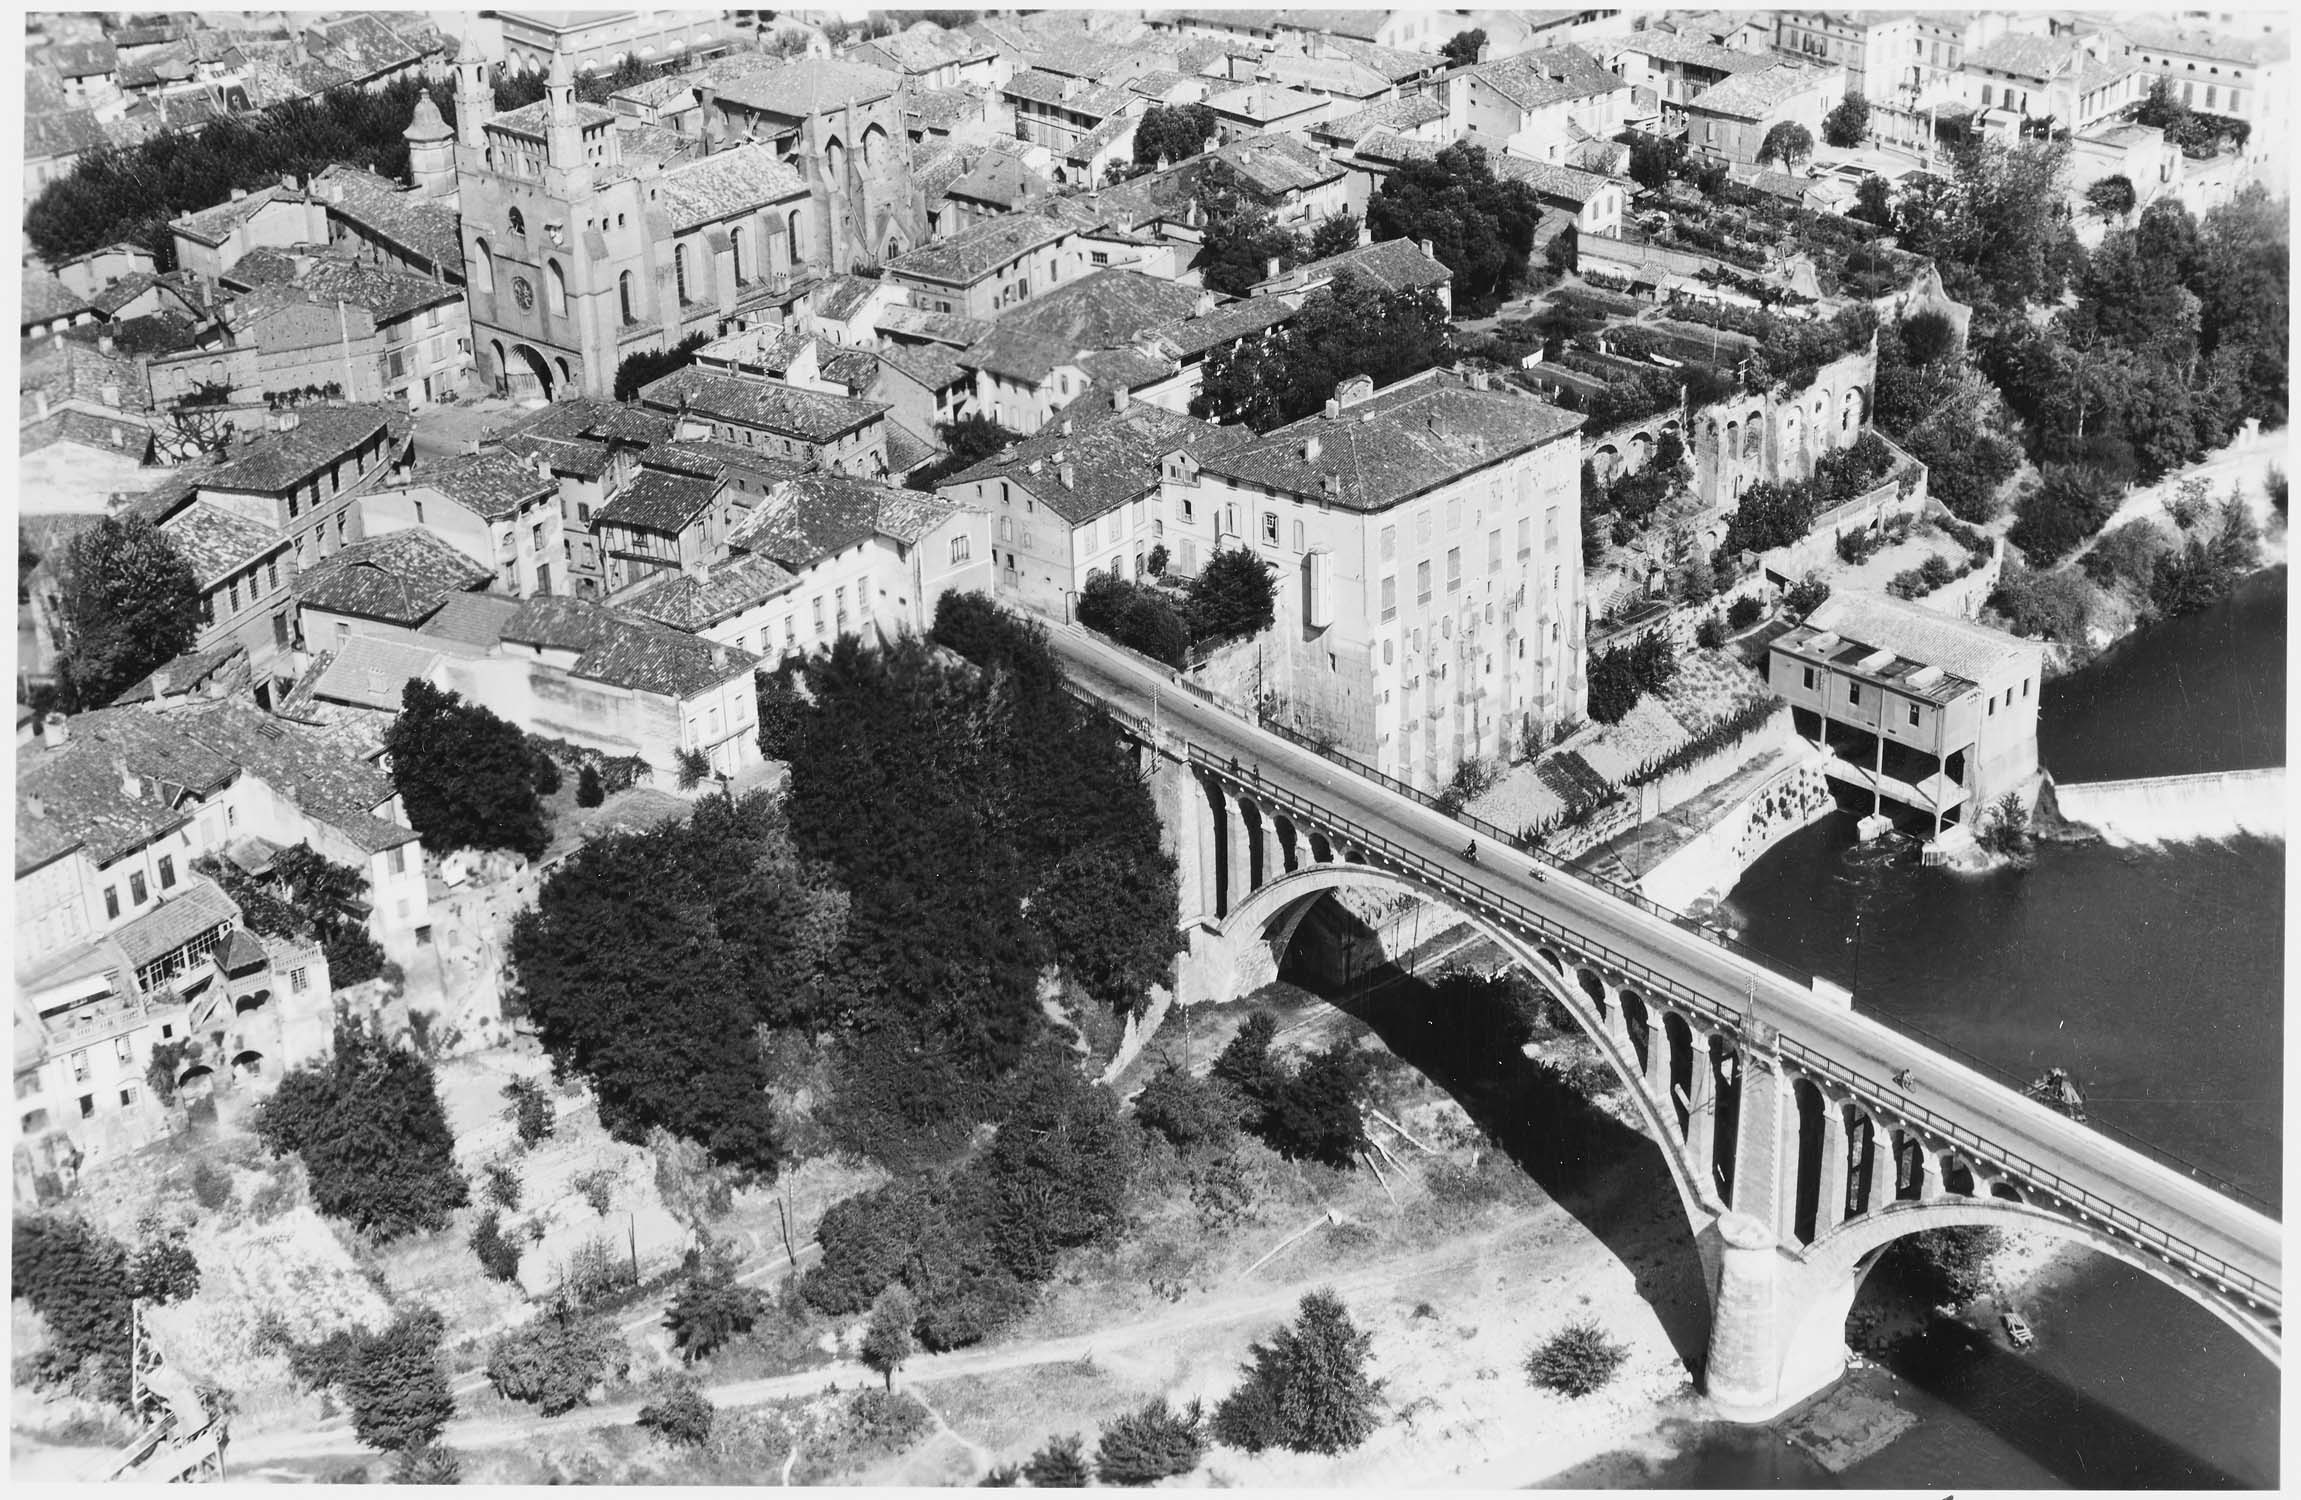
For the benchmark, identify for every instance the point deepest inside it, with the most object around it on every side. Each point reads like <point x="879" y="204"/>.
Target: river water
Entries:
<point x="2155" y="976"/>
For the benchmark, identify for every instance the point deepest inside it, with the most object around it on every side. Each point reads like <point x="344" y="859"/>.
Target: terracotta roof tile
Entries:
<point x="401" y="577"/>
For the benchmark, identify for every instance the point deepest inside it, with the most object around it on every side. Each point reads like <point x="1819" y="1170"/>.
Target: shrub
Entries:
<point x="1806" y="595"/>
<point x="547" y="777"/>
<point x="1149" y="624"/>
<point x="2191" y="499"/>
<point x="211" y="1189"/>
<point x="531" y="1111"/>
<point x="2069" y="505"/>
<point x="711" y="1307"/>
<point x="428" y="1464"/>
<point x="1576" y="1361"/>
<point x="679" y="1413"/>
<point x="498" y="1256"/>
<point x="164" y="1269"/>
<point x="2005" y="830"/>
<point x="1153" y="1443"/>
<point x="1060" y="1465"/>
<point x="77" y="1279"/>
<point x="502" y="1182"/>
<point x="2126" y="555"/>
<point x="395" y="1387"/>
<point x="551" y="1363"/>
<point x="2053" y="606"/>
<point x="1195" y="1114"/>
<point x="694" y="766"/>
<point x="598" y="1188"/>
<point x="597" y="1272"/>
<point x="372" y="1136"/>
<point x="1710" y="633"/>
<point x="1744" y="612"/>
<point x="1232" y="596"/>
<point x="588" y="790"/>
<point x="1307" y="1389"/>
<point x="887" y="1341"/>
<point x="1612" y="687"/>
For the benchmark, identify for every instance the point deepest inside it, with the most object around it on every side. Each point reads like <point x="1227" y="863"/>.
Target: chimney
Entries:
<point x="718" y="658"/>
<point x="1066" y="427"/>
<point x="110" y="391"/>
<point x="1310" y="450"/>
<point x="1333" y="409"/>
<point x="56" y="730"/>
<point x="1365" y="234"/>
<point x="104" y="343"/>
<point x="131" y="785"/>
<point x="238" y="194"/>
<point x="284" y="419"/>
<point x="1119" y="399"/>
<point x="159" y="683"/>
<point x="1270" y="269"/>
<point x="1205" y="304"/>
<point x="1065" y="473"/>
<point x="40" y="401"/>
<point x="1426" y="250"/>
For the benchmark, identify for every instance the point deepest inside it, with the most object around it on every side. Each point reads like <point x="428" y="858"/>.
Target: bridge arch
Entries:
<point x="1829" y="1274"/>
<point x="1269" y="919"/>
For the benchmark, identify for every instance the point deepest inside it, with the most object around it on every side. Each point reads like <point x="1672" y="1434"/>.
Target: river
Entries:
<point x="2155" y="976"/>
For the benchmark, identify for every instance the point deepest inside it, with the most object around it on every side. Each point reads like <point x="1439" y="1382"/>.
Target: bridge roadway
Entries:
<point x="2134" y="1196"/>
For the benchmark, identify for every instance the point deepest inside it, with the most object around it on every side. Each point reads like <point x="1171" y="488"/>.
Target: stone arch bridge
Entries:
<point x="1796" y="1155"/>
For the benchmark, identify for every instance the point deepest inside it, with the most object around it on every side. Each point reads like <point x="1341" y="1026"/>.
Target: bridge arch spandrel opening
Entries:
<point x="1824" y="1280"/>
<point x="1273" y="916"/>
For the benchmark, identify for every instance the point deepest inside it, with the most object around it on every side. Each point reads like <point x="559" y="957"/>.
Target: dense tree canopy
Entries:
<point x="1998" y="226"/>
<point x="1343" y="329"/>
<point x="466" y="777"/>
<point x="77" y="1279"/>
<point x="1232" y="596"/>
<point x="1240" y="240"/>
<point x="373" y="1137"/>
<point x="1480" y="228"/>
<point x="129" y="603"/>
<point x="1462" y="48"/>
<point x="716" y="911"/>
<point x="1172" y="133"/>
<point x="643" y="367"/>
<point x="1848" y="122"/>
<point x="396" y="1388"/>
<point x="1307" y="1388"/>
<point x="1789" y="144"/>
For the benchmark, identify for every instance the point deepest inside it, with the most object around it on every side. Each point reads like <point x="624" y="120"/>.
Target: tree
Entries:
<point x="1149" y="1444"/>
<point x="532" y="1114"/>
<point x="2006" y="829"/>
<point x="1654" y="160"/>
<point x="1873" y="202"/>
<point x="463" y="775"/>
<point x="374" y="1140"/>
<point x="679" y="1413"/>
<point x="1653" y="662"/>
<point x="711" y="1307"/>
<point x="1848" y="124"/>
<point x="1170" y="133"/>
<point x="1318" y="1115"/>
<point x="2111" y="197"/>
<point x="1612" y="687"/>
<point x="1806" y="595"/>
<point x="1576" y="1361"/>
<point x="2127" y="554"/>
<point x="1480" y="228"/>
<point x="1240" y="241"/>
<point x="78" y="1280"/>
<point x="1788" y="143"/>
<point x="589" y="791"/>
<point x="2051" y="605"/>
<point x="1463" y="48"/>
<point x="1232" y="596"/>
<point x="2068" y="506"/>
<point x="1343" y="329"/>
<point x="498" y="1254"/>
<point x="1333" y="236"/>
<point x="644" y="367"/>
<point x="1194" y="1114"/>
<point x="164" y="1270"/>
<point x="551" y="1363"/>
<point x="129" y="603"/>
<point x="1060" y="1465"/>
<point x="1307" y="1389"/>
<point x="395" y="1387"/>
<point x="1944" y="1265"/>
<point x="887" y="1342"/>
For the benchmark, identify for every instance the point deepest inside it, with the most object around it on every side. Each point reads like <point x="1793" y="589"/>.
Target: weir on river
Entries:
<point x="2173" y="809"/>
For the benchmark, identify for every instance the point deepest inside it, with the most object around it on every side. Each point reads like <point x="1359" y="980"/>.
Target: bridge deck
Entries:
<point x="2112" y="1185"/>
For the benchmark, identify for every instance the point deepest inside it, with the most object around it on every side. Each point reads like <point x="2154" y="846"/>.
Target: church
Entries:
<point x="587" y="239"/>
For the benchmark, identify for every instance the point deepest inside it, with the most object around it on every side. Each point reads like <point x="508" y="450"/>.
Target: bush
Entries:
<point x="77" y="1279"/>
<point x="2126" y="555"/>
<point x="887" y="1340"/>
<point x="1710" y="634"/>
<point x="1195" y="1114"/>
<point x="428" y="1464"/>
<point x="597" y="1187"/>
<point x="531" y="1112"/>
<point x="498" y="1255"/>
<point x="588" y="790"/>
<point x="501" y="1180"/>
<point x="211" y="1189"/>
<point x="679" y="1413"/>
<point x="1612" y="687"/>
<point x="1232" y="596"/>
<point x="1060" y="1465"/>
<point x="1576" y="1361"/>
<point x="2005" y="830"/>
<point x="711" y="1307"/>
<point x="372" y="1135"/>
<point x="1744" y="612"/>
<point x="164" y="1269"/>
<point x="2068" y="506"/>
<point x="2052" y="606"/>
<point x="1153" y="1443"/>
<point x="547" y="777"/>
<point x="1806" y="595"/>
<point x="395" y="1387"/>
<point x="552" y="1363"/>
<point x="1307" y="1389"/>
<point x="1149" y="624"/>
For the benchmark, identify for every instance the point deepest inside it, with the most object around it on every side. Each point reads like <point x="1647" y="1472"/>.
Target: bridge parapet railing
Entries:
<point x="1898" y="1101"/>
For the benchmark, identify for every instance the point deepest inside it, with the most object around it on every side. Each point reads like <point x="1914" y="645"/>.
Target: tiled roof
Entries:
<point x="625" y="650"/>
<point x="843" y="296"/>
<point x="218" y="543"/>
<point x="1124" y="369"/>
<point x="1101" y="311"/>
<point x="1225" y="323"/>
<point x="1403" y="113"/>
<point x="1922" y="635"/>
<point x="944" y="108"/>
<point x="174" y="922"/>
<point x="62" y="132"/>
<point x="813" y="416"/>
<point x="533" y="120"/>
<point x="656" y="92"/>
<point x="979" y="249"/>
<point x="1157" y="83"/>
<point x="81" y="59"/>
<point x="2253" y="51"/>
<point x="1277" y="163"/>
<point x="697" y="601"/>
<point x="277" y="461"/>
<point x="385" y="210"/>
<point x="1394" y="63"/>
<point x="492" y="484"/>
<point x="400" y="577"/>
<point x="1412" y="437"/>
<point x="211" y="225"/>
<point x="2024" y="56"/>
<point x="1663" y="46"/>
<point x="1389" y="265"/>
<point x="921" y="50"/>
<point x="573" y="436"/>
<point x="1114" y="457"/>
<point x="74" y="794"/>
<point x="932" y="365"/>
<point x="373" y="672"/>
<point x="45" y="297"/>
<point x="659" y="501"/>
<point x="955" y="329"/>
<point x="387" y="295"/>
<point x="712" y="458"/>
<point x="1364" y="25"/>
<point x="1552" y="75"/>
<point x="1001" y="180"/>
<point x="363" y="45"/>
<point x="329" y="785"/>
<point x="1753" y="96"/>
<point x="185" y="672"/>
<point x="906" y="450"/>
<point x="813" y="516"/>
<point x="809" y="86"/>
<point x="1263" y="101"/>
<point x="276" y="80"/>
<point x="471" y="619"/>
<point x="1337" y="76"/>
<point x="727" y="183"/>
<point x="1574" y="185"/>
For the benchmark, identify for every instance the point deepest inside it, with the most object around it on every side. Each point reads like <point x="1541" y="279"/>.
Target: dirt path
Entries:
<point x="1270" y="1300"/>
